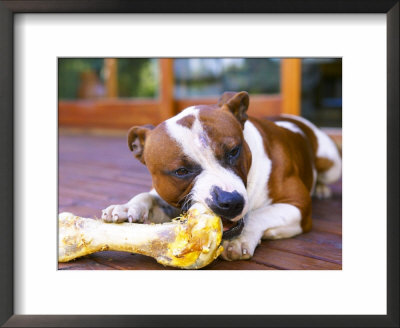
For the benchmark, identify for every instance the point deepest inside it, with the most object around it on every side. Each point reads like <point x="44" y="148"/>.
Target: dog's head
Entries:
<point x="199" y="155"/>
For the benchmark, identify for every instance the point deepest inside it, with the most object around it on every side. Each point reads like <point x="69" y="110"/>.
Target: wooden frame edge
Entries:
<point x="8" y="8"/>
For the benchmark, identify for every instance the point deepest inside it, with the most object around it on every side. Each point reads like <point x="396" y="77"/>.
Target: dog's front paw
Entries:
<point x="237" y="249"/>
<point x="133" y="213"/>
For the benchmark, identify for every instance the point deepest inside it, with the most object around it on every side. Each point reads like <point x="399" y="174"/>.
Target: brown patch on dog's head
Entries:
<point x="163" y="156"/>
<point x="186" y="121"/>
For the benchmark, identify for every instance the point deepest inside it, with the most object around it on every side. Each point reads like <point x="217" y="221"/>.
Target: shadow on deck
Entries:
<point x="97" y="171"/>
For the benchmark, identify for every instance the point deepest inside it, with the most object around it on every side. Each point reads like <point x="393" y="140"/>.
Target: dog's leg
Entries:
<point x="274" y="221"/>
<point x="143" y="208"/>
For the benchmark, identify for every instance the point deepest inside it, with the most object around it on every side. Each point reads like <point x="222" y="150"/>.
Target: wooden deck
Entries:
<point x="97" y="171"/>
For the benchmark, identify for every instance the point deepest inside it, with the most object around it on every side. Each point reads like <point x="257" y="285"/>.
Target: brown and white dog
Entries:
<point x="257" y="174"/>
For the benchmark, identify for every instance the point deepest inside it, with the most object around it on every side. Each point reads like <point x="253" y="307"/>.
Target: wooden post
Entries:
<point x="291" y="85"/>
<point x="111" y="77"/>
<point x="166" y="98"/>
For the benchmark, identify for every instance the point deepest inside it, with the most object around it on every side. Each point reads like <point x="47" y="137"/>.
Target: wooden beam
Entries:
<point x="112" y="113"/>
<point x="291" y="85"/>
<point x="111" y="77"/>
<point x="166" y="98"/>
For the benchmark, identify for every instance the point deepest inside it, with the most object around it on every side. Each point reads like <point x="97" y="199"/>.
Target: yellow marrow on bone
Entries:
<point x="190" y="242"/>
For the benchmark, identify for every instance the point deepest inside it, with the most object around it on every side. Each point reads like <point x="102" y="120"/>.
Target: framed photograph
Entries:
<point x="95" y="181"/>
<point x="76" y="77"/>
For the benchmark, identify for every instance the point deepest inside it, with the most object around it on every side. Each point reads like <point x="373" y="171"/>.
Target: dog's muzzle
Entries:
<point x="225" y="204"/>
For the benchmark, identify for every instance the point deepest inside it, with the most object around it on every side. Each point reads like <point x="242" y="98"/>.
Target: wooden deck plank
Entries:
<point x="84" y="263"/>
<point x="327" y="226"/>
<point x="97" y="171"/>
<point x="127" y="261"/>
<point x="324" y="239"/>
<point x="304" y="248"/>
<point x="289" y="261"/>
<point x="220" y="264"/>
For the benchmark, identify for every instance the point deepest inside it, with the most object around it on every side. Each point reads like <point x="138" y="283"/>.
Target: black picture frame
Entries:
<point x="7" y="11"/>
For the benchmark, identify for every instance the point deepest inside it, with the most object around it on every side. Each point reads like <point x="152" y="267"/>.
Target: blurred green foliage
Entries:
<point x="69" y="72"/>
<point x="137" y="78"/>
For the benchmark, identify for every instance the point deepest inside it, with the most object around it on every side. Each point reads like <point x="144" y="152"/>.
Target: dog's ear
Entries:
<point x="236" y="103"/>
<point x="136" y="139"/>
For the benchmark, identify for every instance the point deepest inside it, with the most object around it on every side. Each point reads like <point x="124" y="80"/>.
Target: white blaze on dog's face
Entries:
<point x="201" y="156"/>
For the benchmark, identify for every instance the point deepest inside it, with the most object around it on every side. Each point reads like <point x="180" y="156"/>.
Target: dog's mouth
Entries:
<point x="232" y="229"/>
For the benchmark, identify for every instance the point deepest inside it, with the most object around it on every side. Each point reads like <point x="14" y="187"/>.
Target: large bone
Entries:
<point x="189" y="242"/>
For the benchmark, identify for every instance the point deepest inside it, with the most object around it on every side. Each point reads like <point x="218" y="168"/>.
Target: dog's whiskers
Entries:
<point x="186" y="202"/>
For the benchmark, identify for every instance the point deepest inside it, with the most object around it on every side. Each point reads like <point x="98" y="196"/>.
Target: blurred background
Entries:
<point x="116" y="93"/>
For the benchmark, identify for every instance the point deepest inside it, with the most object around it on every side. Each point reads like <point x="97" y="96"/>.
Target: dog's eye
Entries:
<point x="181" y="172"/>
<point x="234" y="153"/>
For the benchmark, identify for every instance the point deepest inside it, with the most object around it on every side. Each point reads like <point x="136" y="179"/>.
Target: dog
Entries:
<point x="258" y="175"/>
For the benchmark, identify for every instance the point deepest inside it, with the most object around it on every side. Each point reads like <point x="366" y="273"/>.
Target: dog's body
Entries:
<point x="256" y="173"/>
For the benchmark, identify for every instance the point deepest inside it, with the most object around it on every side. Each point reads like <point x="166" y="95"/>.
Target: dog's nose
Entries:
<point x="225" y="204"/>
